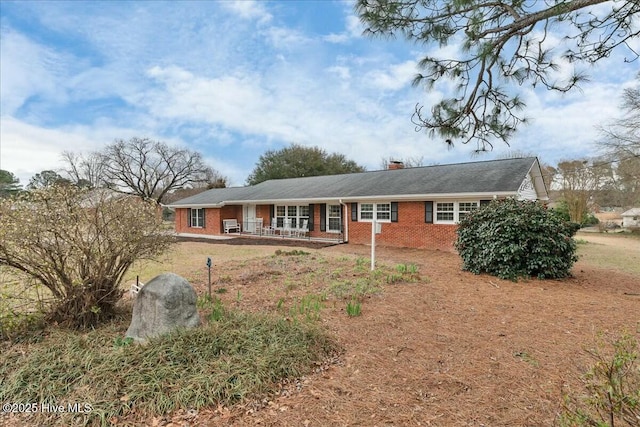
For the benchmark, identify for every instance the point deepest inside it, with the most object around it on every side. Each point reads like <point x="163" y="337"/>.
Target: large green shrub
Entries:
<point x="511" y="238"/>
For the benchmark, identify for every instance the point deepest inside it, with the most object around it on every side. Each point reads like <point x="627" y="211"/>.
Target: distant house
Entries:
<point x="631" y="218"/>
<point x="418" y="207"/>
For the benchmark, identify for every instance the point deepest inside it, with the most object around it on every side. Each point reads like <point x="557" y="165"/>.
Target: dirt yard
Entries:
<point x="453" y="349"/>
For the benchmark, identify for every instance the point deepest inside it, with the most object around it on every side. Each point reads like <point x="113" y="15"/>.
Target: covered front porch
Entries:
<point x="320" y="222"/>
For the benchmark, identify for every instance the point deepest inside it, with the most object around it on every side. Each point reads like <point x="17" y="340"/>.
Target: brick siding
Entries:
<point x="410" y="231"/>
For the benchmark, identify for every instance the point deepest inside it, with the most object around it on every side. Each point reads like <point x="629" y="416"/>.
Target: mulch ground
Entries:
<point x="454" y="349"/>
<point x="257" y="241"/>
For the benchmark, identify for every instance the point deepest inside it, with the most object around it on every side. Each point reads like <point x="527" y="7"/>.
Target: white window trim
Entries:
<point x="299" y="218"/>
<point x="375" y="211"/>
<point x="328" y="210"/>
<point x="456" y="210"/>
<point x="194" y="215"/>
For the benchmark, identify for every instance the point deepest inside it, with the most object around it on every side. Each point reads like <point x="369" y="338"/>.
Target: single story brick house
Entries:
<point x="418" y="207"/>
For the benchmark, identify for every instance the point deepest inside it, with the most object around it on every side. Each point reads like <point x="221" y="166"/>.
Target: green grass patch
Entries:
<point x="294" y="252"/>
<point x="354" y="308"/>
<point x="308" y="307"/>
<point x="239" y="356"/>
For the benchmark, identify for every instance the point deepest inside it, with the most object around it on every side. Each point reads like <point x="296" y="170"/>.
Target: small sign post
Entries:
<point x="375" y="229"/>
<point x="209" y="268"/>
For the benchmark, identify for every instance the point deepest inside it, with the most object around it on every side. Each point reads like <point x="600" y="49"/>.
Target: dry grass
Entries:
<point x="188" y="259"/>
<point x="615" y="252"/>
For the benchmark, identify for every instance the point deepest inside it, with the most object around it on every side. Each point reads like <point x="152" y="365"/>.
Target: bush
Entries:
<point x="562" y="211"/>
<point x="78" y="244"/>
<point x="511" y="238"/>
<point x="611" y="394"/>
<point x="589" y="219"/>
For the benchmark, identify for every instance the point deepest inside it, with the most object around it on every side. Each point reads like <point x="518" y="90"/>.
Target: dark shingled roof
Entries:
<point x="495" y="176"/>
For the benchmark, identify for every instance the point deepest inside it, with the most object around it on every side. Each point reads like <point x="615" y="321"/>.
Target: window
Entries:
<point x="296" y="214"/>
<point x="333" y="218"/>
<point x="382" y="211"/>
<point x="464" y="208"/>
<point x="366" y="211"/>
<point x="454" y="212"/>
<point x="196" y="218"/>
<point x="444" y="212"/>
<point x="281" y="214"/>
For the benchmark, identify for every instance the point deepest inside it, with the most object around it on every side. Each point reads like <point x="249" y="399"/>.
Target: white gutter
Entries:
<point x="346" y="220"/>
<point x="393" y="197"/>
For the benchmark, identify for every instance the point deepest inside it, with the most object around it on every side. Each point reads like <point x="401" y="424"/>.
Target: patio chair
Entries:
<point x="257" y="226"/>
<point x="269" y="230"/>
<point x="286" y="229"/>
<point x="302" y="231"/>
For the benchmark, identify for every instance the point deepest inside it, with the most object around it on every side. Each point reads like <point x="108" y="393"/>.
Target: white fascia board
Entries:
<point x="429" y="197"/>
<point x="197" y="206"/>
<point x="386" y="198"/>
<point x="538" y="180"/>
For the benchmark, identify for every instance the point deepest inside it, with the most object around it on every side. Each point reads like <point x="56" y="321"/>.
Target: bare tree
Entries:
<point x="502" y="44"/>
<point x="579" y="180"/>
<point x="151" y="169"/>
<point x="622" y="137"/>
<point x="621" y="144"/>
<point x="83" y="170"/>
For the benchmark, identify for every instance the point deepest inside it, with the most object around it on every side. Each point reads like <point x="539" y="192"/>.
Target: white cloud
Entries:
<point x="342" y="72"/>
<point x="336" y="38"/>
<point x="285" y="38"/>
<point x="353" y="29"/>
<point x="248" y="9"/>
<point x="27" y="149"/>
<point x="27" y="69"/>
<point x="354" y="26"/>
<point x="394" y="77"/>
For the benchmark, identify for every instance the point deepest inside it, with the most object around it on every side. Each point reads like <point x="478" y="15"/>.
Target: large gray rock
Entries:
<point x="165" y="303"/>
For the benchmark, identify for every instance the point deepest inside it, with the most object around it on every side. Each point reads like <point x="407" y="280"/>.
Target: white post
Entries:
<point x="373" y="245"/>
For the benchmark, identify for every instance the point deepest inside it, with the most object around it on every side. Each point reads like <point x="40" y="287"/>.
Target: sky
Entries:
<point x="233" y="79"/>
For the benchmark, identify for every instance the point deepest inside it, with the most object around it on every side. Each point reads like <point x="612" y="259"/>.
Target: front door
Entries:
<point x="249" y="218"/>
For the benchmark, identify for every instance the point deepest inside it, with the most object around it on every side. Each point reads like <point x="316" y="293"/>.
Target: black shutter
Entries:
<point x="311" y="215"/>
<point x="428" y="212"/>
<point x="204" y="215"/>
<point x="354" y="212"/>
<point x="484" y="202"/>
<point x="323" y="217"/>
<point x="189" y="217"/>
<point x="272" y="214"/>
<point x="394" y="211"/>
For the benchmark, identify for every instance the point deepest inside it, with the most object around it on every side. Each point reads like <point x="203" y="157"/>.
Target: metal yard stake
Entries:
<point x="209" y="268"/>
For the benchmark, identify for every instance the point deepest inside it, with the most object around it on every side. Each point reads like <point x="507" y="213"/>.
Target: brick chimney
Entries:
<point x="395" y="164"/>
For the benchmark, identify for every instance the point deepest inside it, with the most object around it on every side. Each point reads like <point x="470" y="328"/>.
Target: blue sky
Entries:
<point x="232" y="79"/>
